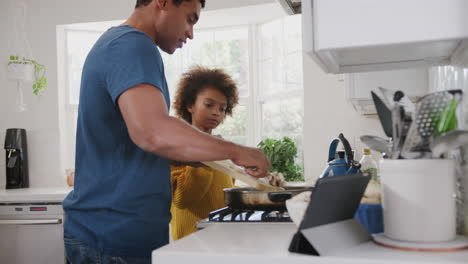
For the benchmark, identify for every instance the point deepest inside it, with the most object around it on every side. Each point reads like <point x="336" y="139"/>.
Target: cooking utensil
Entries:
<point x="401" y="122"/>
<point x="384" y="113"/>
<point x="434" y="113"/>
<point x="448" y="120"/>
<point x="449" y="141"/>
<point x="231" y="169"/>
<point x="388" y="97"/>
<point x="376" y="143"/>
<point x="253" y="199"/>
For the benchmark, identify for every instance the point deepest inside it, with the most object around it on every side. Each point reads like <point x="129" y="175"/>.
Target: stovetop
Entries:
<point x="235" y="216"/>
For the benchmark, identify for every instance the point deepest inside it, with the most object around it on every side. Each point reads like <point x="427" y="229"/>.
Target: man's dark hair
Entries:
<point x="140" y="3"/>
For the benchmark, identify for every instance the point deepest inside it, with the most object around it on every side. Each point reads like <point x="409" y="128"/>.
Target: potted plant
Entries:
<point x="281" y="153"/>
<point x="24" y="69"/>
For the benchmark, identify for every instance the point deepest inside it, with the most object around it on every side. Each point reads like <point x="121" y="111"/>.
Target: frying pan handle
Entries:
<point x="279" y="196"/>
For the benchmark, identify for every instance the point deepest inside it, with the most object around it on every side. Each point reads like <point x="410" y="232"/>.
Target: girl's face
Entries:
<point x="209" y="109"/>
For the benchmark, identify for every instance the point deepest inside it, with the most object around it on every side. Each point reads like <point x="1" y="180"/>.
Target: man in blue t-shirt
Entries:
<point x="119" y="209"/>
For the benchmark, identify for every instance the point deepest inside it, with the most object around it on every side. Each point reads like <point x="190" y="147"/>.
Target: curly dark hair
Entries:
<point x="140" y="3"/>
<point x="194" y="81"/>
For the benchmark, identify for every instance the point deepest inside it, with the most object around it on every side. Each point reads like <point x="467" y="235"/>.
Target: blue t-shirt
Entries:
<point x="121" y="201"/>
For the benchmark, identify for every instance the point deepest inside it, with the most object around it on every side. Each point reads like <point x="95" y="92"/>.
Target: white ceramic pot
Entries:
<point x="20" y="72"/>
<point x="419" y="199"/>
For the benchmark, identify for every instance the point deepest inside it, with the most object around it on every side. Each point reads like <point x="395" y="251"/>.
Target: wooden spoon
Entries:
<point x="231" y="169"/>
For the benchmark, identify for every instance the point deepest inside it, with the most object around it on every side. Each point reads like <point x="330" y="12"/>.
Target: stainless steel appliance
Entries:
<point x="229" y="215"/>
<point x="31" y="233"/>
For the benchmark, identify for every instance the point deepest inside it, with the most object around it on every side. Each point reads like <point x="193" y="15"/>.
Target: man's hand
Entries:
<point x="253" y="160"/>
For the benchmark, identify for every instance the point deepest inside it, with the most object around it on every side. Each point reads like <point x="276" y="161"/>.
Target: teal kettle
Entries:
<point x="343" y="164"/>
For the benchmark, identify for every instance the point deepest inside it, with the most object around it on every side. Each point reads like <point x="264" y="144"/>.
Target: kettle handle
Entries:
<point x="332" y="150"/>
<point x="347" y="148"/>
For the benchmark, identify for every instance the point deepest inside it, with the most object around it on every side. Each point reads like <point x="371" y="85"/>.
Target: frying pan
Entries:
<point x="249" y="198"/>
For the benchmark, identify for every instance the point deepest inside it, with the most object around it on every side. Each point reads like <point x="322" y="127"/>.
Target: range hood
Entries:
<point x="291" y="7"/>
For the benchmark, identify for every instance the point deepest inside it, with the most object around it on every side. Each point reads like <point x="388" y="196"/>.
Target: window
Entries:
<point x="264" y="58"/>
<point x="226" y="48"/>
<point x="77" y="40"/>
<point x="281" y="90"/>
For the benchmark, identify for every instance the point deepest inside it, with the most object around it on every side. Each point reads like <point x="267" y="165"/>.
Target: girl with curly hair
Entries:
<point x="203" y="98"/>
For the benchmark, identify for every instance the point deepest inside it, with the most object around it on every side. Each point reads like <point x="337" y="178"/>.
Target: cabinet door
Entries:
<point x="38" y="241"/>
<point x="345" y="36"/>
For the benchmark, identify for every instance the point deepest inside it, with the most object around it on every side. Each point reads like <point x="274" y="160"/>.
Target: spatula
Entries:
<point x="384" y="113"/>
<point x="379" y="144"/>
<point x="231" y="169"/>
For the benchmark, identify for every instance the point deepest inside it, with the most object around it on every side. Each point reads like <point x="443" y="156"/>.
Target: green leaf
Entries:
<point x="281" y="153"/>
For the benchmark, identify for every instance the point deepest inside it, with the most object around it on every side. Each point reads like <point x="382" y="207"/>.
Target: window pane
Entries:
<point x="281" y="84"/>
<point x="283" y="116"/>
<point x="239" y="73"/>
<point x="234" y="127"/>
<point x="79" y="43"/>
<point x="172" y="77"/>
<point x="292" y="33"/>
<point x="201" y="51"/>
<point x="173" y="61"/>
<point x="293" y="68"/>
<point x="271" y="37"/>
<point x="220" y="48"/>
<point x="271" y="77"/>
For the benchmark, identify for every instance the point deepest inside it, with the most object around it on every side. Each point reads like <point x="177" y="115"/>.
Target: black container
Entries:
<point x="17" y="170"/>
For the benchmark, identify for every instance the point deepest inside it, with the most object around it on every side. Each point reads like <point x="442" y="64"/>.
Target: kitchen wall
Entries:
<point x="326" y="114"/>
<point x="42" y="118"/>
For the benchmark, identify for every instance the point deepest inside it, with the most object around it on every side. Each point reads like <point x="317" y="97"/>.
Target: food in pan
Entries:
<point x="276" y="179"/>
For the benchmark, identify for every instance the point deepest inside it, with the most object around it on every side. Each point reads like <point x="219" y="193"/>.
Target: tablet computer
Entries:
<point x="334" y="199"/>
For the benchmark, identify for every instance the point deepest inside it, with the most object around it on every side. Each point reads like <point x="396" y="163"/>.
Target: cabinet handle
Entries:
<point x="31" y="222"/>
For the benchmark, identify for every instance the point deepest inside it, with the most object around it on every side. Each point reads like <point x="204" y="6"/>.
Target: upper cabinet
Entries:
<point x="345" y="36"/>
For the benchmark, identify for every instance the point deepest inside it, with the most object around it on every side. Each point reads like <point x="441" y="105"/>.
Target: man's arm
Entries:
<point x="151" y="128"/>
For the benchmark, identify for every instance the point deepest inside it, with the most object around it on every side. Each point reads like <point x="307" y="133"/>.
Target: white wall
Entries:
<point x="326" y="114"/>
<point x="41" y="120"/>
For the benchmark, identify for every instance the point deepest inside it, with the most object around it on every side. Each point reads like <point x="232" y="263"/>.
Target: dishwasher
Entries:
<point x="31" y="233"/>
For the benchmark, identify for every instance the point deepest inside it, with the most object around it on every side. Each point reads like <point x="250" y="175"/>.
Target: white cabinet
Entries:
<point x="345" y="36"/>
<point x="413" y="82"/>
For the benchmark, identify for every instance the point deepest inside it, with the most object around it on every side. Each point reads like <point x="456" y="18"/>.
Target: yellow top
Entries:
<point x="195" y="193"/>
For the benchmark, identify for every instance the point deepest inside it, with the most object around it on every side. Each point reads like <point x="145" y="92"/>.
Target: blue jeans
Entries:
<point x="80" y="253"/>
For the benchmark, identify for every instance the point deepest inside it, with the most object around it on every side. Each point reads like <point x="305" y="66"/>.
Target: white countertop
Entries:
<point x="34" y="195"/>
<point x="268" y="243"/>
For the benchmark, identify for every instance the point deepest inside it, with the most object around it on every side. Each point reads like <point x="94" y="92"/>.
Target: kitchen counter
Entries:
<point x="34" y="195"/>
<point x="268" y="243"/>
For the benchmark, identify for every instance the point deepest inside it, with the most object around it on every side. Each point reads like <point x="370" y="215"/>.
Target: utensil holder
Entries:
<point x="419" y="199"/>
